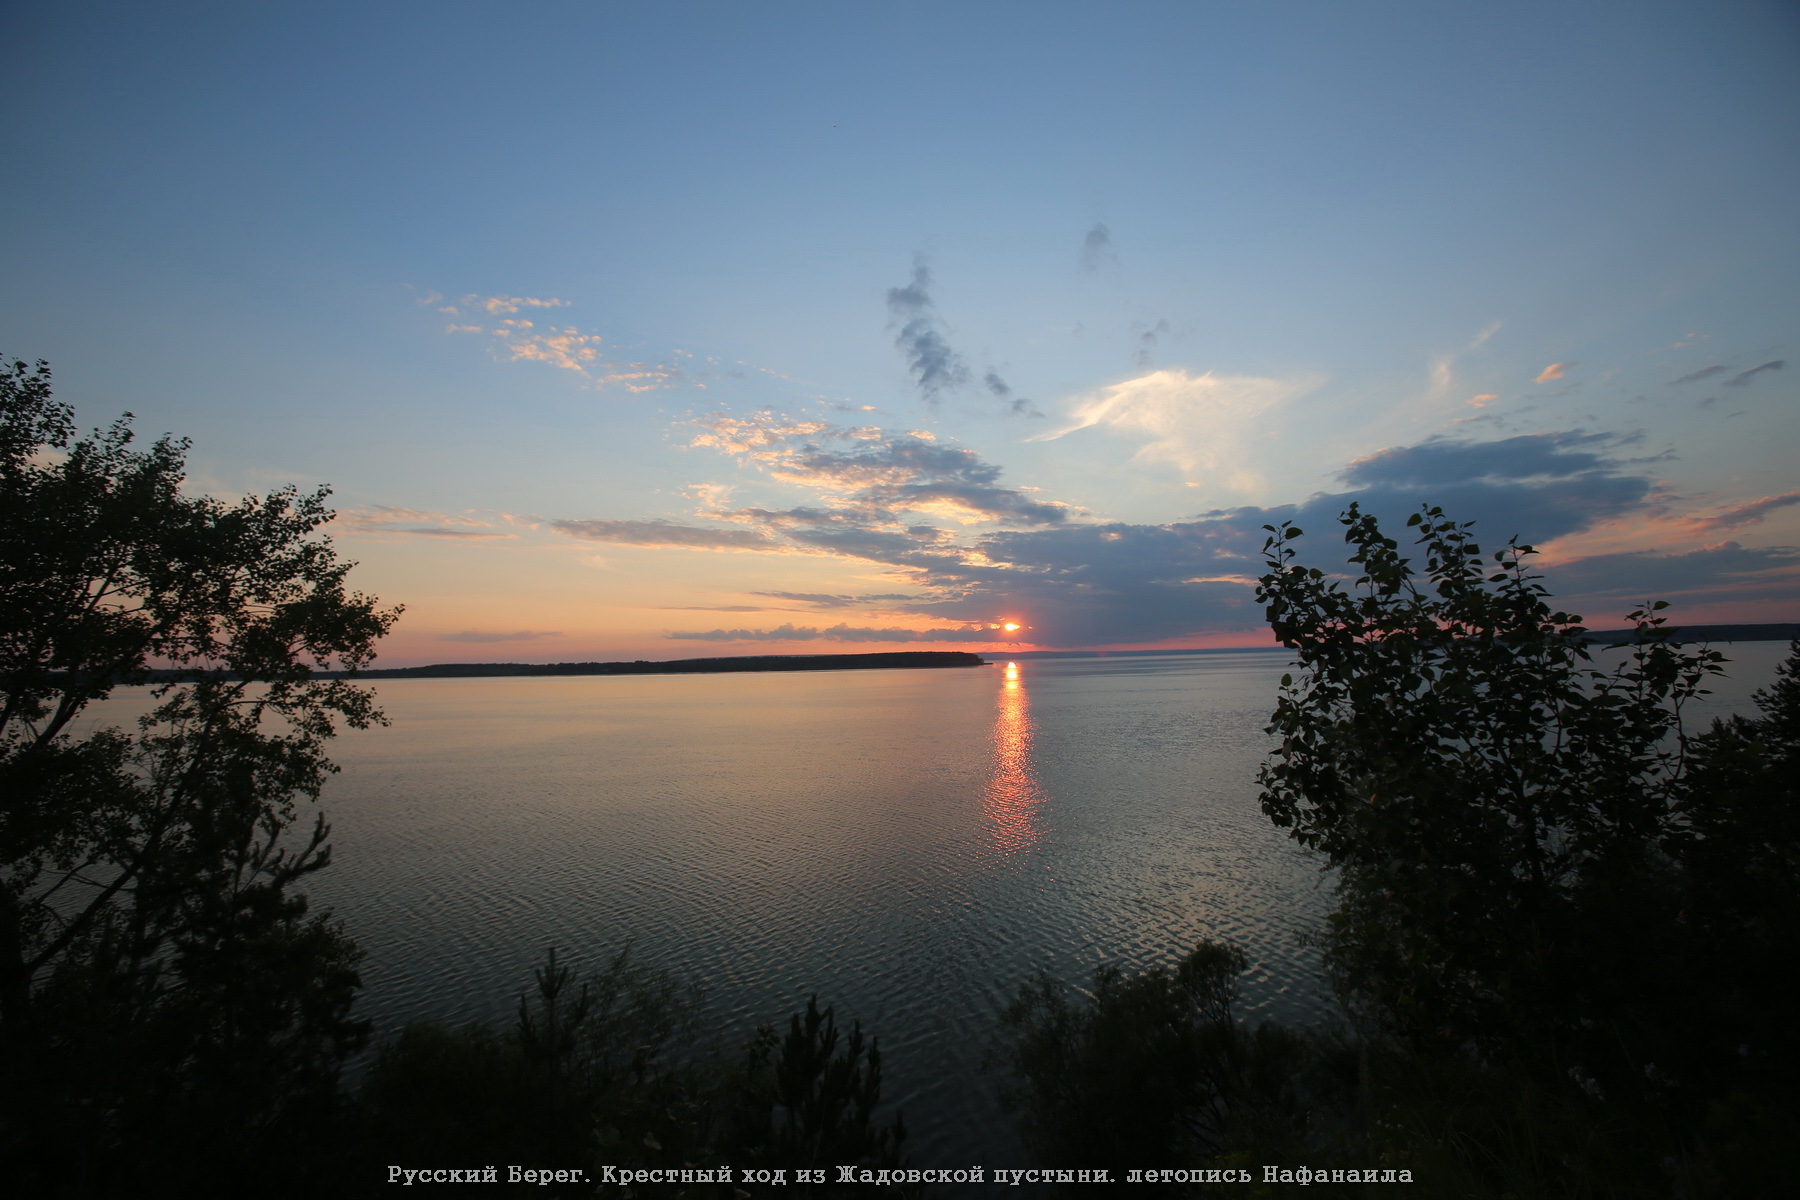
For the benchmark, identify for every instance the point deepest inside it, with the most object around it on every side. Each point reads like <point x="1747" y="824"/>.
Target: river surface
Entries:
<point x="911" y="845"/>
<point x="908" y="844"/>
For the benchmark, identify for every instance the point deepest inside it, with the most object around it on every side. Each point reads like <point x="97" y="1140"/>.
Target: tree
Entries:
<point x="618" y="1071"/>
<point x="1554" y="898"/>
<point x="1453" y="751"/>
<point x="161" y="979"/>
<point x="1155" y="1068"/>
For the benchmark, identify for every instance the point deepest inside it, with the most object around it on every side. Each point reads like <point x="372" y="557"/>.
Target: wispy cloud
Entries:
<point x="1702" y="373"/>
<point x="382" y="519"/>
<point x="873" y="477"/>
<point x="474" y="635"/>
<point x="497" y="305"/>
<point x="1749" y="513"/>
<point x="1201" y="423"/>
<point x="816" y="599"/>
<point x="1097" y="249"/>
<point x="1443" y="368"/>
<point x="668" y="534"/>
<point x="1744" y="377"/>
<point x="590" y="355"/>
<point x="720" y="608"/>
<point x="934" y="365"/>
<point x="1552" y="372"/>
<point x="839" y="633"/>
<point x="1016" y="405"/>
<point x="1728" y="571"/>
<point x="1147" y="336"/>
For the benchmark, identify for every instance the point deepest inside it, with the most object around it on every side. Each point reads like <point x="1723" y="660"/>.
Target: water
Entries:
<point x="910" y="845"/>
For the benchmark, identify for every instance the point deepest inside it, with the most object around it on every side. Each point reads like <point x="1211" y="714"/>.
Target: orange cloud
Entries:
<point x="1553" y="371"/>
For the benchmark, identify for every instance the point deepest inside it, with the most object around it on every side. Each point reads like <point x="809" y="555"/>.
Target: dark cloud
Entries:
<point x="1750" y="513"/>
<point x="817" y="599"/>
<point x="718" y="608"/>
<point x="1120" y="583"/>
<point x="436" y="531"/>
<point x="1535" y="486"/>
<point x="885" y="476"/>
<point x="1146" y="341"/>
<point x="667" y="533"/>
<point x="1744" y="377"/>
<point x="1697" y="376"/>
<point x="1727" y="571"/>
<point x="385" y="519"/>
<point x="1446" y="460"/>
<point x="471" y="635"/>
<point x="1097" y="248"/>
<point x="1018" y="406"/>
<point x="836" y="633"/>
<point x="934" y="365"/>
<point x="1117" y="583"/>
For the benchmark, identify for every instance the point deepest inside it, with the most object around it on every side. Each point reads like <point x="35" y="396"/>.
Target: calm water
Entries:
<point x="910" y="845"/>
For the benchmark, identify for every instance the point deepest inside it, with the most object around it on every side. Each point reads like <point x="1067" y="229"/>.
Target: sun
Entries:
<point x="1011" y="626"/>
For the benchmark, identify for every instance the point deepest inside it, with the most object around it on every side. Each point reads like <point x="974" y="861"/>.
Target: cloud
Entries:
<point x="1697" y="376"/>
<point x="1449" y="460"/>
<point x="934" y="365"/>
<point x="1727" y="571"/>
<point x="1750" y="513"/>
<point x="837" y="633"/>
<point x="819" y="599"/>
<point x="667" y="534"/>
<point x="471" y="635"/>
<point x="1017" y="406"/>
<point x="719" y="608"/>
<point x="901" y="502"/>
<point x="1744" y="377"/>
<point x="1443" y="368"/>
<point x="567" y="347"/>
<point x="1097" y="248"/>
<point x="1553" y="371"/>
<point x="870" y="477"/>
<point x="383" y="519"/>
<point x="497" y="305"/>
<point x="1146" y="341"/>
<point x="1204" y="423"/>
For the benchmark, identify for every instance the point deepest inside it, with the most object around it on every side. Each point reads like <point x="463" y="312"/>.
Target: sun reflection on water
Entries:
<point x="1012" y="797"/>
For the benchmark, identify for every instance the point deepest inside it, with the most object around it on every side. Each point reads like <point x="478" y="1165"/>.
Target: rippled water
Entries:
<point x="909" y="844"/>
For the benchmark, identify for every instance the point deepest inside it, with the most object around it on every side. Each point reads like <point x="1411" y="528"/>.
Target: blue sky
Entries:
<point x="862" y="327"/>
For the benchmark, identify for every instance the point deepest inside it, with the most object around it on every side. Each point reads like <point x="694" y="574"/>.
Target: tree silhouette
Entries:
<point x="166" y="998"/>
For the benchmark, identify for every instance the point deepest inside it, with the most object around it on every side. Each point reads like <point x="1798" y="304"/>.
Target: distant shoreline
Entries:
<point x="905" y="659"/>
<point x="1781" y="631"/>
<point x="1785" y="631"/>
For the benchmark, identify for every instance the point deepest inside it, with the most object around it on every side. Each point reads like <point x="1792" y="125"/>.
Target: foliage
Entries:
<point x="1153" y="1069"/>
<point x="617" y="1072"/>
<point x="166" y="998"/>
<point x="1451" y="749"/>
<point x="1563" y="917"/>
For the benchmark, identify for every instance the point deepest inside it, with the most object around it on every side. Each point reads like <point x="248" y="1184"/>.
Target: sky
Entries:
<point x="648" y="331"/>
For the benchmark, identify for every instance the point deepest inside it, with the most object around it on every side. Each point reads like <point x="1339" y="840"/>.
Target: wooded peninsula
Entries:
<point x="691" y="666"/>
